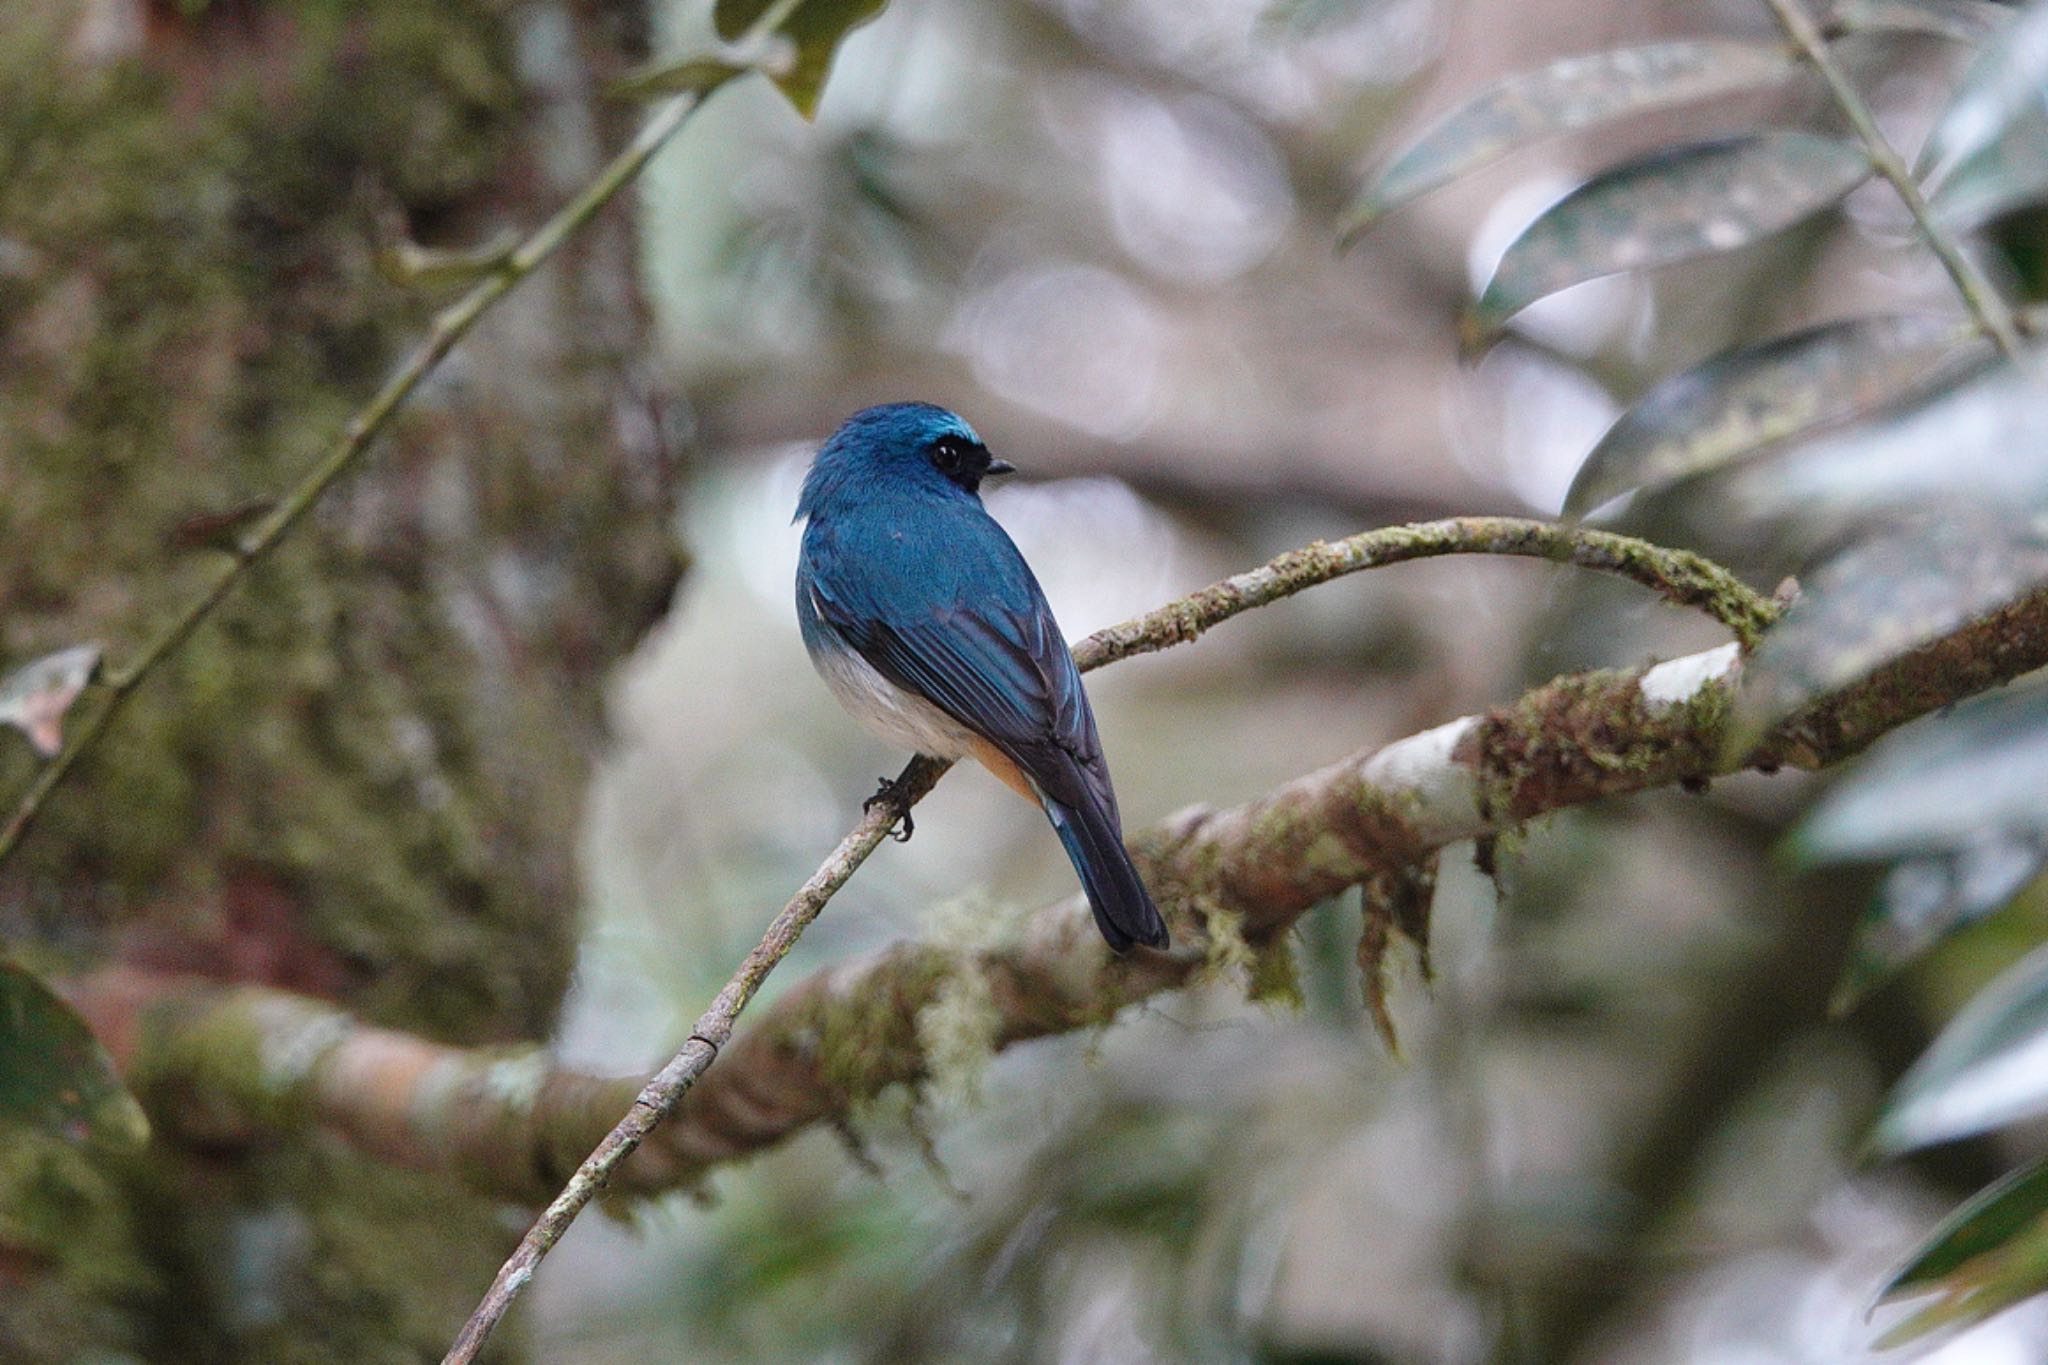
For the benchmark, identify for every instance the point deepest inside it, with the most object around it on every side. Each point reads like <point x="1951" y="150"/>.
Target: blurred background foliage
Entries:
<point x="1626" y="1125"/>
<point x="1626" y="1128"/>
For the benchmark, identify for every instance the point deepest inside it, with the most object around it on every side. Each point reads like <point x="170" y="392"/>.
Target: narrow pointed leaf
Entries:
<point x="1989" y="151"/>
<point x="35" y="697"/>
<point x="54" y="1075"/>
<point x="1740" y="404"/>
<point x="1981" y="1288"/>
<point x="1963" y="21"/>
<point x="1926" y="898"/>
<point x="816" y="28"/>
<point x="1674" y="205"/>
<point x="1979" y="1225"/>
<point x="1577" y="92"/>
<point x="1988" y="1255"/>
<point x="1988" y="1068"/>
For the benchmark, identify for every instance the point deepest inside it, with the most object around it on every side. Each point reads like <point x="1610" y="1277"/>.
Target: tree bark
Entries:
<point x="362" y="781"/>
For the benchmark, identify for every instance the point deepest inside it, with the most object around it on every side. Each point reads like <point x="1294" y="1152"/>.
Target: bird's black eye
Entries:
<point x="949" y="455"/>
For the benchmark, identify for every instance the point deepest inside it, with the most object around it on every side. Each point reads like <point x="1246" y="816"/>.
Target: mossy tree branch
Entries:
<point x="222" y="1063"/>
<point x="1683" y="577"/>
<point x="1680" y="576"/>
<point x="1260" y="866"/>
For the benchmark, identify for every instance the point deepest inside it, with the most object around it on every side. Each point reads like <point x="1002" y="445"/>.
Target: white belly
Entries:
<point x="887" y="711"/>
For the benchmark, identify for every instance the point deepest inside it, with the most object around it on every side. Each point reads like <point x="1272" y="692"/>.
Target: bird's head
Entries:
<point x="898" y="446"/>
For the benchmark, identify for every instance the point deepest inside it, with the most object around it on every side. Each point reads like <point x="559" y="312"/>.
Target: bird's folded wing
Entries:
<point x="999" y="668"/>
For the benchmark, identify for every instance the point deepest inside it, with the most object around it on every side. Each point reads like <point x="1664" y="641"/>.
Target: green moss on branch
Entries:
<point x="850" y="1032"/>
<point x="1681" y="577"/>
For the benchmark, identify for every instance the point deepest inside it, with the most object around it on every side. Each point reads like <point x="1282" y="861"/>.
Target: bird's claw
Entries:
<point x="891" y="793"/>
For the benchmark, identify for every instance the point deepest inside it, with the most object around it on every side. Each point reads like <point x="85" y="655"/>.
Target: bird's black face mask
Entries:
<point x="966" y="463"/>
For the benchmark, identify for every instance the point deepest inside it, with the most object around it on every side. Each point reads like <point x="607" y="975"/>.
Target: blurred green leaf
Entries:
<point x="54" y="1075"/>
<point x="1946" y="783"/>
<point x="1926" y="898"/>
<point x="732" y="18"/>
<point x="35" y="697"/>
<point x="1989" y="151"/>
<point x="1989" y="1067"/>
<point x="1875" y="601"/>
<point x="1577" y="92"/>
<point x="697" y="74"/>
<point x="1981" y="1224"/>
<point x="1964" y="21"/>
<point x="1740" y="404"/>
<point x="1988" y="1285"/>
<point x="816" y="27"/>
<point x="1978" y="439"/>
<point x="2012" y="175"/>
<point x="1673" y="205"/>
<point x="1959" y="797"/>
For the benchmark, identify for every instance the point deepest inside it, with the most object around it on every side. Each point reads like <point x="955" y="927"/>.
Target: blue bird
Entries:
<point x="930" y="629"/>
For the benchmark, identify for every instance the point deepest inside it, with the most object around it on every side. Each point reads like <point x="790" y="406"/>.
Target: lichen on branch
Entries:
<point x="511" y="1123"/>
<point x="1684" y="577"/>
<point x="1680" y="576"/>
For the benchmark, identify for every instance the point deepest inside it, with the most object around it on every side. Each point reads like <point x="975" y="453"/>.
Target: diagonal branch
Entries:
<point x="1681" y="576"/>
<point x="1980" y="296"/>
<point x="220" y="1063"/>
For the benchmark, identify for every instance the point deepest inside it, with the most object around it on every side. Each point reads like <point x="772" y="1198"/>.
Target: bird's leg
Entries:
<point x="891" y="792"/>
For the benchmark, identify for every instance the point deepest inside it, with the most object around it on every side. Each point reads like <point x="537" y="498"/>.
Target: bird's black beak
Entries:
<point x="1001" y="467"/>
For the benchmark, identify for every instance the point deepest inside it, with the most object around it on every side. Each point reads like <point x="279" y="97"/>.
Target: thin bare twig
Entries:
<point x="1681" y="576"/>
<point x="1979" y="294"/>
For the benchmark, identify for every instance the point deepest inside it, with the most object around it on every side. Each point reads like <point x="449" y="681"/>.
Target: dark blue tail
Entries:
<point x="1124" y="911"/>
